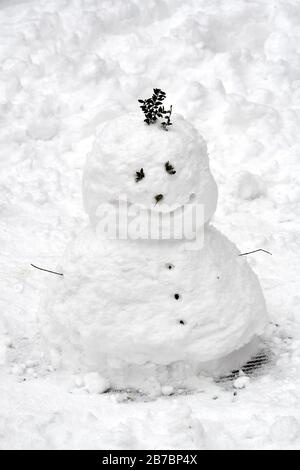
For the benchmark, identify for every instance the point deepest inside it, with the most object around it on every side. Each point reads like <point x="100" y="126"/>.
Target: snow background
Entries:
<point x="233" y="69"/>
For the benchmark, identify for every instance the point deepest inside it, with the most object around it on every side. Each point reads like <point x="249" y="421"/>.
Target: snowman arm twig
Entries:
<point x="47" y="270"/>
<point x="255" y="251"/>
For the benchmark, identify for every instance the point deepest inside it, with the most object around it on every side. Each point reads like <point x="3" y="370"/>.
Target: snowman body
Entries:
<point x="145" y="313"/>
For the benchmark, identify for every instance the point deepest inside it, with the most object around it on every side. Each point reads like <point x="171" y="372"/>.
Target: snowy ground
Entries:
<point x="233" y="69"/>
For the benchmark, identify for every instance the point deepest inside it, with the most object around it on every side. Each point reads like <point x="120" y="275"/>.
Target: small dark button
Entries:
<point x="181" y="322"/>
<point x="177" y="296"/>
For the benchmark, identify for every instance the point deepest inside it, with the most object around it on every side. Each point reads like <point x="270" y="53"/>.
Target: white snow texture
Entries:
<point x="68" y="67"/>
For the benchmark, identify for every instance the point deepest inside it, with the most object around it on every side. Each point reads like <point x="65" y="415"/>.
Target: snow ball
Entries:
<point x="125" y="145"/>
<point x="250" y="186"/>
<point x="241" y="382"/>
<point x="94" y="383"/>
<point x="115" y="327"/>
<point x="285" y="428"/>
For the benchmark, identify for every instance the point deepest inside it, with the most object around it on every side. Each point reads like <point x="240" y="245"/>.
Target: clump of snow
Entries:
<point x="241" y="382"/>
<point x="94" y="383"/>
<point x="250" y="186"/>
<point x="167" y="390"/>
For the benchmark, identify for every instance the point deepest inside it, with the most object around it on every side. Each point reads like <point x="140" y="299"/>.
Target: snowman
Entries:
<point x="151" y="313"/>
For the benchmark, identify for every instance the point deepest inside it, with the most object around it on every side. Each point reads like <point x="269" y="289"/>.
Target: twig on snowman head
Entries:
<point x="154" y="109"/>
<point x="255" y="251"/>
<point x="47" y="270"/>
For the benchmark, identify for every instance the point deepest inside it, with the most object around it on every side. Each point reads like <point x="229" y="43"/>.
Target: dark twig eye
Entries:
<point x="139" y="175"/>
<point x="158" y="197"/>
<point x="170" y="169"/>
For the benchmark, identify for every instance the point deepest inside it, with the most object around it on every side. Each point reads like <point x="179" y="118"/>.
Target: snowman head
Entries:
<point x="156" y="169"/>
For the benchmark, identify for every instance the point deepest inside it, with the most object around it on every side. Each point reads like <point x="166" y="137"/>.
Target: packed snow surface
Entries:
<point x="232" y="69"/>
